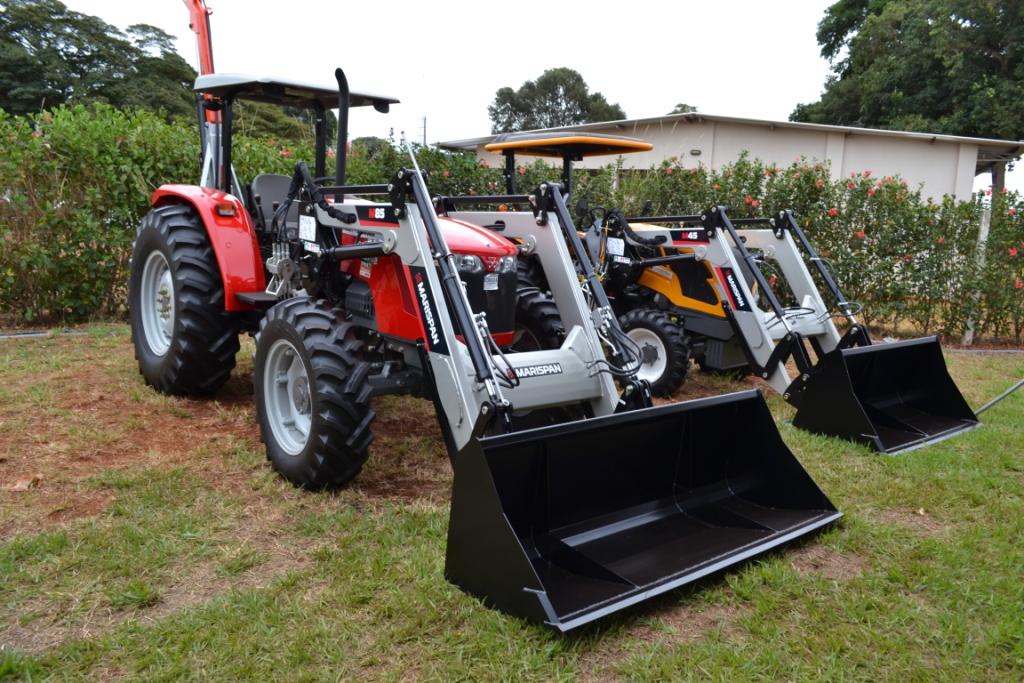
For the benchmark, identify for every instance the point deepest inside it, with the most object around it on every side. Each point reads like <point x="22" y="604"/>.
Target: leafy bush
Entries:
<point x="74" y="183"/>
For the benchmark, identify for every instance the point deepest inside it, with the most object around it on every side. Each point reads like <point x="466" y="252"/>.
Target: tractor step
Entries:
<point x="258" y="299"/>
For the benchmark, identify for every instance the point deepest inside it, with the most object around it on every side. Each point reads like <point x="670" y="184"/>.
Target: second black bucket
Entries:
<point x="894" y="396"/>
<point x="566" y="524"/>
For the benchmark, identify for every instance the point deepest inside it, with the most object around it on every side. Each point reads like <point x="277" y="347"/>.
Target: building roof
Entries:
<point x="990" y="150"/>
<point x="284" y="91"/>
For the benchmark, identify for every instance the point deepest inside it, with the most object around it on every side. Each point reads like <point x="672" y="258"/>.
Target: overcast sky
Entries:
<point x="445" y="59"/>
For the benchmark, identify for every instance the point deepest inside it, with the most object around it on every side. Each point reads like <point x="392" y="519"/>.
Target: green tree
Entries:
<point x="946" y="66"/>
<point x="50" y="55"/>
<point x="559" y="97"/>
<point x="683" y="108"/>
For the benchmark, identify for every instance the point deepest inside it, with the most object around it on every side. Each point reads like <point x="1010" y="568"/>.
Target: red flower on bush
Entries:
<point x="988" y="192"/>
<point x="668" y="171"/>
<point x="1012" y="211"/>
<point x="860" y="234"/>
<point x="871" y="192"/>
<point x="906" y="257"/>
<point x="819" y="183"/>
<point x="851" y="185"/>
<point x="833" y="212"/>
<point x="522" y="170"/>
<point x="772" y="280"/>
<point x="286" y="152"/>
<point x="756" y="203"/>
<point x="445" y="173"/>
<point x="1013" y="251"/>
<point x="748" y="200"/>
<point x="941" y="240"/>
<point x="867" y="174"/>
<point x="1017" y="284"/>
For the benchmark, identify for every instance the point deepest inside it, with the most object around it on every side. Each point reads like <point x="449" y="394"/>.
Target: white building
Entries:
<point x="941" y="164"/>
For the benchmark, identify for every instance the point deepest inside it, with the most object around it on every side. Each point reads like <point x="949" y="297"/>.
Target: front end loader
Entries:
<point x="893" y="397"/>
<point x="572" y="496"/>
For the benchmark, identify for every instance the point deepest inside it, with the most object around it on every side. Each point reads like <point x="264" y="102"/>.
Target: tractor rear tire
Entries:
<point x="312" y="394"/>
<point x="530" y="274"/>
<point x="664" y="345"/>
<point x="538" y="324"/>
<point x="185" y="342"/>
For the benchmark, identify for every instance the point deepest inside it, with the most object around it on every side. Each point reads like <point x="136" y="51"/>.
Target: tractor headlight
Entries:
<point x="468" y="263"/>
<point x="507" y="264"/>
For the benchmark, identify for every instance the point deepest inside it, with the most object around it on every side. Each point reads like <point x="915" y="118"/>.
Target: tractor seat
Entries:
<point x="269" y="191"/>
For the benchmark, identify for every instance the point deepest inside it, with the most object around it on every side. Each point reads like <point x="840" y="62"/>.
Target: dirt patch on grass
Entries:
<point x="824" y="561"/>
<point x="670" y="625"/>
<point x="95" y="415"/>
<point x="408" y="459"/>
<point x="276" y="553"/>
<point x="87" y="506"/>
<point x="689" y="624"/>
<point x="917" y="520"/>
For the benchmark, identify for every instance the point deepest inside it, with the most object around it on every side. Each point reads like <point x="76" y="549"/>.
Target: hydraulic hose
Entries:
<point x="616" y="217"/>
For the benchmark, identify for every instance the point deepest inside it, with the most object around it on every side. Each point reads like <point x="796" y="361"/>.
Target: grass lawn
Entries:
<point x="154" y="542"/>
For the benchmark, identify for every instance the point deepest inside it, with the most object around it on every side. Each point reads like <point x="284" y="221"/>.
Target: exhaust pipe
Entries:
<point x="341" y="154"/>
<point x="894" y="397"/>
<point x="566" y="524"/>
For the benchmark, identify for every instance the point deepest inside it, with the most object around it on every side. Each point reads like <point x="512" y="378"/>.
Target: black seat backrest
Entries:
<point x="270" y="191"/>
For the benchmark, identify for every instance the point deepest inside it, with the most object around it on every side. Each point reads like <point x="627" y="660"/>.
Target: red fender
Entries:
<point x="233" y="238"/>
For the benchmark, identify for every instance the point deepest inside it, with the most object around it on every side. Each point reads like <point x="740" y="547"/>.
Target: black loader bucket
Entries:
<point x="566" y="524"/>
<point x="893" y="396"/>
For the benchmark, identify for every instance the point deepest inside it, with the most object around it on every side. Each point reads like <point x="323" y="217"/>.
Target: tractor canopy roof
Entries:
<point x="566" y="144"/>
<point x="284" y="92"/>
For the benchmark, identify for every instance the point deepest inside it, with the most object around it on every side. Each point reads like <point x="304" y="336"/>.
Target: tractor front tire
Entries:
<point x="664" y="348"/>
<point x="312" y="394"/>
<point x="185" y="342"/>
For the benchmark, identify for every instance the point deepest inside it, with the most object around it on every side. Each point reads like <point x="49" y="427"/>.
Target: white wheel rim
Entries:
<point x="650" y="344"/>
<point x="156" y="303"/>
<point x="288" y="403"/>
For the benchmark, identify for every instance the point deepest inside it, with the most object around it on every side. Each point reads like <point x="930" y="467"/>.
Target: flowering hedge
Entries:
<point x="908" y="260"/>
<point x="74" y="182"/>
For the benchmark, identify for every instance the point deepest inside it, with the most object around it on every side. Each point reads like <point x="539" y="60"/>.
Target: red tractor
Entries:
<point x="572" y="496"/>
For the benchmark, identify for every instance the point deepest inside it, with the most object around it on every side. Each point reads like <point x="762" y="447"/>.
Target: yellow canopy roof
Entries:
<point x="559" y="145"/>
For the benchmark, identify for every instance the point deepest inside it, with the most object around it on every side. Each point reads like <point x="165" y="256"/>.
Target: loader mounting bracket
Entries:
<point x="857" y="335"/>
<point x="398" y="190"/>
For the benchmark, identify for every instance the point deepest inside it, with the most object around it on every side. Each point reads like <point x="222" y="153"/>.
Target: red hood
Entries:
<point x="464" y="238"/>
